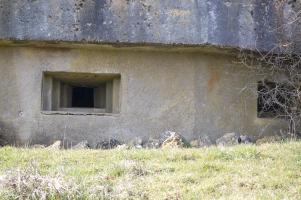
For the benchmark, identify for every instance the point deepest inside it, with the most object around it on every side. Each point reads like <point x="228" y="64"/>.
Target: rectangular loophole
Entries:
<point x="81" y="92"/>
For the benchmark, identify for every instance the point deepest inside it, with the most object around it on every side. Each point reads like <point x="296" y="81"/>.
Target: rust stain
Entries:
<point x="214" y="79"/>
<point x="179" y="13"/>
<point x="119" y="6"/>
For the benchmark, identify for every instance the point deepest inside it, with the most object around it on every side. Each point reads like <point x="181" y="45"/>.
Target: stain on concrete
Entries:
<point x="8" y="133"/>
<point x="213" y="80"/>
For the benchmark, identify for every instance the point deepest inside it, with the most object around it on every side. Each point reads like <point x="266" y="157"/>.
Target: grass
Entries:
<point x="268" y="171"/>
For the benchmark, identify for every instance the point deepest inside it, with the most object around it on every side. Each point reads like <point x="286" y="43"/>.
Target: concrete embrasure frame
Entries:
<point x="57" y="92"/>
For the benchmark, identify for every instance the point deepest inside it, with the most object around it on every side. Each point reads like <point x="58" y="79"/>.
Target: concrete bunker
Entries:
<point x="113" y="69"/>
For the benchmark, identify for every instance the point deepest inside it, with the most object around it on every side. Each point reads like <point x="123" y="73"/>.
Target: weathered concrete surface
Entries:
<point x="191" y="93"/>
<point x="250" y="24"/>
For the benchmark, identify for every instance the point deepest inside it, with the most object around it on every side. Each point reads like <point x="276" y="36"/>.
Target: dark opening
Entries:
<point x="82" y="97"/>
<point x="274" y="99"/>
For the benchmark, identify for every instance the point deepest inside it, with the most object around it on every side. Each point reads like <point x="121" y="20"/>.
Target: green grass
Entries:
<point x="269" y="171"/>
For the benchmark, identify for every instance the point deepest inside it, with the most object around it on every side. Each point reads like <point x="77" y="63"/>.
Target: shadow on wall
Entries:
<point x="7" y="134"/>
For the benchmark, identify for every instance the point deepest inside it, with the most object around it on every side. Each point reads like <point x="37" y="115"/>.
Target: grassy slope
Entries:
<point x="270" y="171"/>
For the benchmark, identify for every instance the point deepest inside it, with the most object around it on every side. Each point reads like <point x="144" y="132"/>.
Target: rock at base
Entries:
<point x="110" y="144"/>
<point x="269" y="139"/>
<point x="82" y="145"/>
<point x="173" y="141"/>
<point x="152" y="144"/>
<point x="228" y="139"/>
<point x="202" y="141"/>
<point x="137" y="143"/>
<point x="38" y="146"/>
<point x="56" y="145"/>
<point x="245" y="139"/>
<point x="233" y="139"/>
<point x="123" y="147"/>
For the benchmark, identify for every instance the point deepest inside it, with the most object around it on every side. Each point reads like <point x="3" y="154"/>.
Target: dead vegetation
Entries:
<point x="28" y="184"/>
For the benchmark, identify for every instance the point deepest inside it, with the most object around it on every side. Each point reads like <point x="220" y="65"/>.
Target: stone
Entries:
<point x="38" y="146"/>
<point x="82" y="145"/>
<point x="152" y="144"/>
<point x="137" y="142"/>
<point x="56" y="145"/>
<point x="173" y="141"/>
<point x="202" y="141"/>
<point x="139" y="147"/>
<point x="228" y="139"/>
<point x="245" y="139"/>
<point x="123" y="147"/>
<point x="167" y="134"/>
<point x="110" y="144"/>
<point x="269" y="139"/>
<point x="205" y="141"/>
<point x="163" y="136"/>
<point x="194" y="143"/>
<point x="233" y="139"/>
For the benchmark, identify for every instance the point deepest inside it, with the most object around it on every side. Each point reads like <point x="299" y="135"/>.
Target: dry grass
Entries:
<point x="269" y="171"/>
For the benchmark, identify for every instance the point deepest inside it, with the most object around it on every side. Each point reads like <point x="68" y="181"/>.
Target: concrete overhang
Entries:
<point x="185" y="24"/>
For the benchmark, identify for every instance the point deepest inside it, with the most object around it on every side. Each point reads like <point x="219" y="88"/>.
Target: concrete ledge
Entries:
<point x="79" y="113"/>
